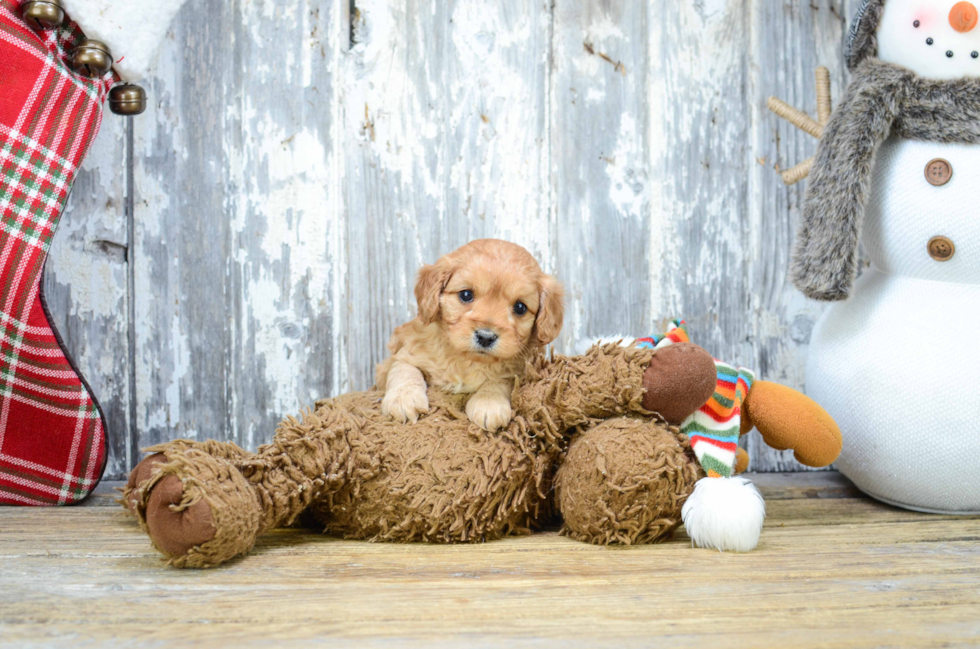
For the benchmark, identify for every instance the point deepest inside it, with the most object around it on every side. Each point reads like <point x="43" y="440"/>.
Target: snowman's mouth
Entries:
<point x="949" y="53"/>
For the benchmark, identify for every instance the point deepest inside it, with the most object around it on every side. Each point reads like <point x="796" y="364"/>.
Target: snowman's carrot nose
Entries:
<point x="963" y="16"/>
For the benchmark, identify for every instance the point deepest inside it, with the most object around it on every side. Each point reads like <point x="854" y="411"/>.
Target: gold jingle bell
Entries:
<point x="91" y="58"/>
<point x="45" y="14"/>
<point x="127" y="99"/>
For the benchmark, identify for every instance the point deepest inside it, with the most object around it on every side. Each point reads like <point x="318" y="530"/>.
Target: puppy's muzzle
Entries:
<point x="485" y="338"/>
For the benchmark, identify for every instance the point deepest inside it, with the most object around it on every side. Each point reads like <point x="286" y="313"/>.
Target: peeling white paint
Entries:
<point x="441" y="124"/>
<point x="93" y="280"/>
<point x="627" y="173"/>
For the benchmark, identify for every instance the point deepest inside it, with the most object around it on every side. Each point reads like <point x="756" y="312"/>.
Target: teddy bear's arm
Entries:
<point x="132" y="493"/>
<point x="204" y="503"/>
<point x="609" y="380"/>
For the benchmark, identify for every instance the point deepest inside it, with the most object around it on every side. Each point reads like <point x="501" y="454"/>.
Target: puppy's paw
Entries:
<point x="489" y="412"/>
<point x="405" y="405"/>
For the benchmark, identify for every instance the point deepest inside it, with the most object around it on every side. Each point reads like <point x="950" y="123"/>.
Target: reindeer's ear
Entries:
<point x="551" y="312"/>
<point x="431" y="282"/>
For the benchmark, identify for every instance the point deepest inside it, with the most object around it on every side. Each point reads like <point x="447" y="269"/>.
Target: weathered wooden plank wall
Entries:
<point x="445" y="131"/>
<point x="301" y="158"/>
<point x="86" y="286"/>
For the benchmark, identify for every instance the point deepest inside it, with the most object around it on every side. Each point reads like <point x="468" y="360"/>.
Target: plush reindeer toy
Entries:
<point x="898" y="166"/>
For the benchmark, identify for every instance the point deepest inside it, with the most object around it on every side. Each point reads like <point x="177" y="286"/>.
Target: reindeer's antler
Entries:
<point x="805" y="123"/>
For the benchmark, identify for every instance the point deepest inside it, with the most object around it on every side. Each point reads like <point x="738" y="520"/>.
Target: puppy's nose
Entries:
<point x="485" y="338"/>
<point x="963" y="17"/>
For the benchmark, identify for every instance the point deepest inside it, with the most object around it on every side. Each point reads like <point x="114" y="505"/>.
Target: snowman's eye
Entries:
<point x="916" y="24"/>
<point x="928" y="41"/>
<point x="974" y="54"/>
<point x="949" y="54"/>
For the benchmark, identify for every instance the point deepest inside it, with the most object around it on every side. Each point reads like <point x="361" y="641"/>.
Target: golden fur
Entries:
<point x="440" y="347"/>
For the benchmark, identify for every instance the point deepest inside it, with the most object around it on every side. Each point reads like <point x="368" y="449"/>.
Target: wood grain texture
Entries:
<point x="701" y="117"/>
<point x="600" y="148"/>
<point x="833" y="569"/>
<point x="85" y="284"/>
<point x="789" y="41"/>
<point x="445" y="131"/>
<point x="300" y="160"/>
<point x="239" y="239"/>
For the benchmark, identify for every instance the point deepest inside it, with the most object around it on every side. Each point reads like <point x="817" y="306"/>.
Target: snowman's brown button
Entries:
<point x="941" y="248"/>
<point x="938" y="172"/>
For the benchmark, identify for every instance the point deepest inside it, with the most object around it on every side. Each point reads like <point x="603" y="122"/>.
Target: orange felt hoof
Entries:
<point x="788" y="419"/>
<point x="741" y="460"/>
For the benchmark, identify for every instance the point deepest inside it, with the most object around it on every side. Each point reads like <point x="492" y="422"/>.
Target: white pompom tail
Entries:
<point x="725" y="514"/>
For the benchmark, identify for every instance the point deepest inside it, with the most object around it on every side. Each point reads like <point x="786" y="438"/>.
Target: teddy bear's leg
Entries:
<point x="788" y="419"/>
<point x="198" y="510"/>
<point x="157" y="454"/>
<point x="625" y="481"/>
<point x="201" y="510"/>
<point x="609" y="380"/>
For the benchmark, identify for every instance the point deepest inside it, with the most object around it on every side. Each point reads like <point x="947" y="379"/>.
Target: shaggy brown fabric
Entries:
<point x="215" y="504"/>
<point x="446" y="481"/>
<point x="143" y="470"/>
<point x="450" y="481"/>
<point x="442" y="479"/>
<point x="625" y="481"/>
<point x="571" y="391"/>
<point x="308" y="458"/>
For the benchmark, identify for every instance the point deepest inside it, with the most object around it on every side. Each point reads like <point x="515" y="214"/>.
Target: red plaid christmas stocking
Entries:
<point x="52" y="433"/>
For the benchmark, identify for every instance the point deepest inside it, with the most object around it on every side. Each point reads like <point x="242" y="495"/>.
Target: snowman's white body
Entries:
<point x="896" y="365"/>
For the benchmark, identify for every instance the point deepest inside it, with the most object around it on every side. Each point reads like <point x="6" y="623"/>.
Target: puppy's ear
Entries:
<point x="431" y="281"/>
<point x="551" y="312"/>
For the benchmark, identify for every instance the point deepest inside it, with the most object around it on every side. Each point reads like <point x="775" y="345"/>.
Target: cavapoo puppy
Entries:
<point x="483" y="310"/>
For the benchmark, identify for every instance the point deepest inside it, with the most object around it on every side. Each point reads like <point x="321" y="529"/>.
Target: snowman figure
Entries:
<point x="898" y="166"/>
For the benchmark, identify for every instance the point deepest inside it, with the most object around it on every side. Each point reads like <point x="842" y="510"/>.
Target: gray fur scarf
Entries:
<point x="881" y="100"/>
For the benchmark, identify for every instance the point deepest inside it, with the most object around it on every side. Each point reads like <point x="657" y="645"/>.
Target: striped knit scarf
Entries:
<point x="714" y="429"/>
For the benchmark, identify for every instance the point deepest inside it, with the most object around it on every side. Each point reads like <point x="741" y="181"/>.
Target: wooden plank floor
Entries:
<point x="834" y="569"/>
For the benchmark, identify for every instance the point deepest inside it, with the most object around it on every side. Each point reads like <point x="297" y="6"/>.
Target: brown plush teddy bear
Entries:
<point x="623" y="478"/>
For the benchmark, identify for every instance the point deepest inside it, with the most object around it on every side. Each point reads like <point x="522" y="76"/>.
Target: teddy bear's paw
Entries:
<point x="405" y="404"/>
<point x="139" y="475"/>
<point x="489" y="412"/>
<point x="176" y="526"/>
<point x="198" y="510"/>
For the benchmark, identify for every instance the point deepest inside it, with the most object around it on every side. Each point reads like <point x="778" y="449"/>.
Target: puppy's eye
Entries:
<point x="520" y="308"/>
<point x="466" y="296"/>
